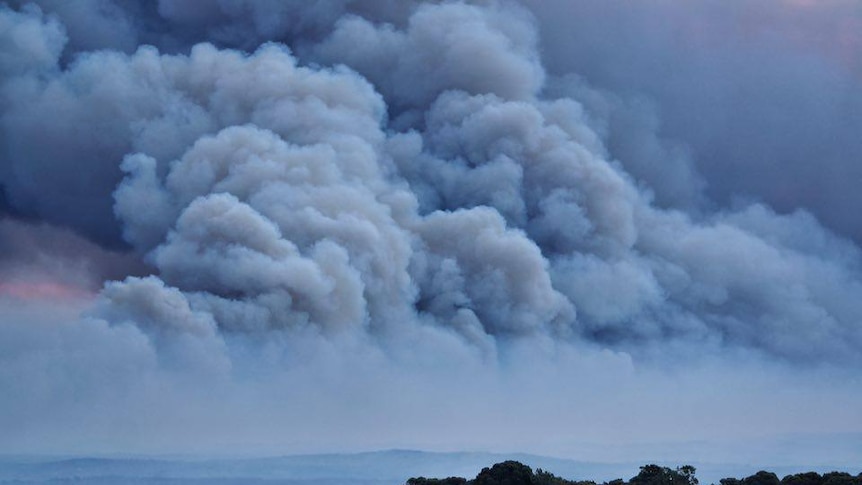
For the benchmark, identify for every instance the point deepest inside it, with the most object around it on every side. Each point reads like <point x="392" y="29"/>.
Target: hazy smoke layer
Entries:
<point x="767" y="95"/>
<point x="390" y="201"/>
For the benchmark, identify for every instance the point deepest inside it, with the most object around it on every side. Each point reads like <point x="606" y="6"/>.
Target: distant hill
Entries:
<point x="383" y="467"/>
<point x="392" y="467"/>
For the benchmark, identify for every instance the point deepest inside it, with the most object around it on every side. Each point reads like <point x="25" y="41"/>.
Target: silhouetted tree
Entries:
<point x="542" y="477"/>
<point x="658" y="475"/>
<point x="809" y="478"/>
<point x="505" y="473"/>
<point x="841" y="478"/>
<point x="437" y="481"/>
<point x="515" y="473"/>
<point x="687" y="472"/>
<point x="761" y="478"/>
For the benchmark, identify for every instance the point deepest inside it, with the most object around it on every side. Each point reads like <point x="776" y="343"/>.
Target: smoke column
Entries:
<point x="277" y="226"/>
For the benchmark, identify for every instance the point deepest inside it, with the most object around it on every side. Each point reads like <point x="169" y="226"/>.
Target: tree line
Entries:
<point x="516" y="473"/>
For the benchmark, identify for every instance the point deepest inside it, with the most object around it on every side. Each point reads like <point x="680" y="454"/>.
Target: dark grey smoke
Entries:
<point x="766" y="95"/>
<point x="340" y="213"/>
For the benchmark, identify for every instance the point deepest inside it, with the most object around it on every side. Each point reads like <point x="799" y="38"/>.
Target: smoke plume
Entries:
<point x="287" y="224"/>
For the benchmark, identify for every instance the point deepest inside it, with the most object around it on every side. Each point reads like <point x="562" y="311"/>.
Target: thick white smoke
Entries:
<point x="385" y="215"/>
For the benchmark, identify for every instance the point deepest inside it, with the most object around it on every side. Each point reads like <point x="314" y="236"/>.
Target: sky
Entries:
<point x="587" y="229"/>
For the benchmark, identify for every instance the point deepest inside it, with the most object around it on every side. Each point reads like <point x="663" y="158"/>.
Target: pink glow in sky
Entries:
<point x="41" y="290"/>
<point x="829" y="28"/>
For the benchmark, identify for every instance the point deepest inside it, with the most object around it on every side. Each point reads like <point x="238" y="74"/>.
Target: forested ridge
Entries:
<point x="516" y="473"/>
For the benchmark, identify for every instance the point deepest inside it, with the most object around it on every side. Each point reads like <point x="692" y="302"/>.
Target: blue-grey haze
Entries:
<point x="347" y="225"/>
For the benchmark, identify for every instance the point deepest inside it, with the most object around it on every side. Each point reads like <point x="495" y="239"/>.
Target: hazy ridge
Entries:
<point x="371" y="468"/>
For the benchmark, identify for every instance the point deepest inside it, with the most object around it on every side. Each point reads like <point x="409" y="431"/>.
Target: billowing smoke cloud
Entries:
<point x="766" y="95"/>
<point x="328" y="216"/>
